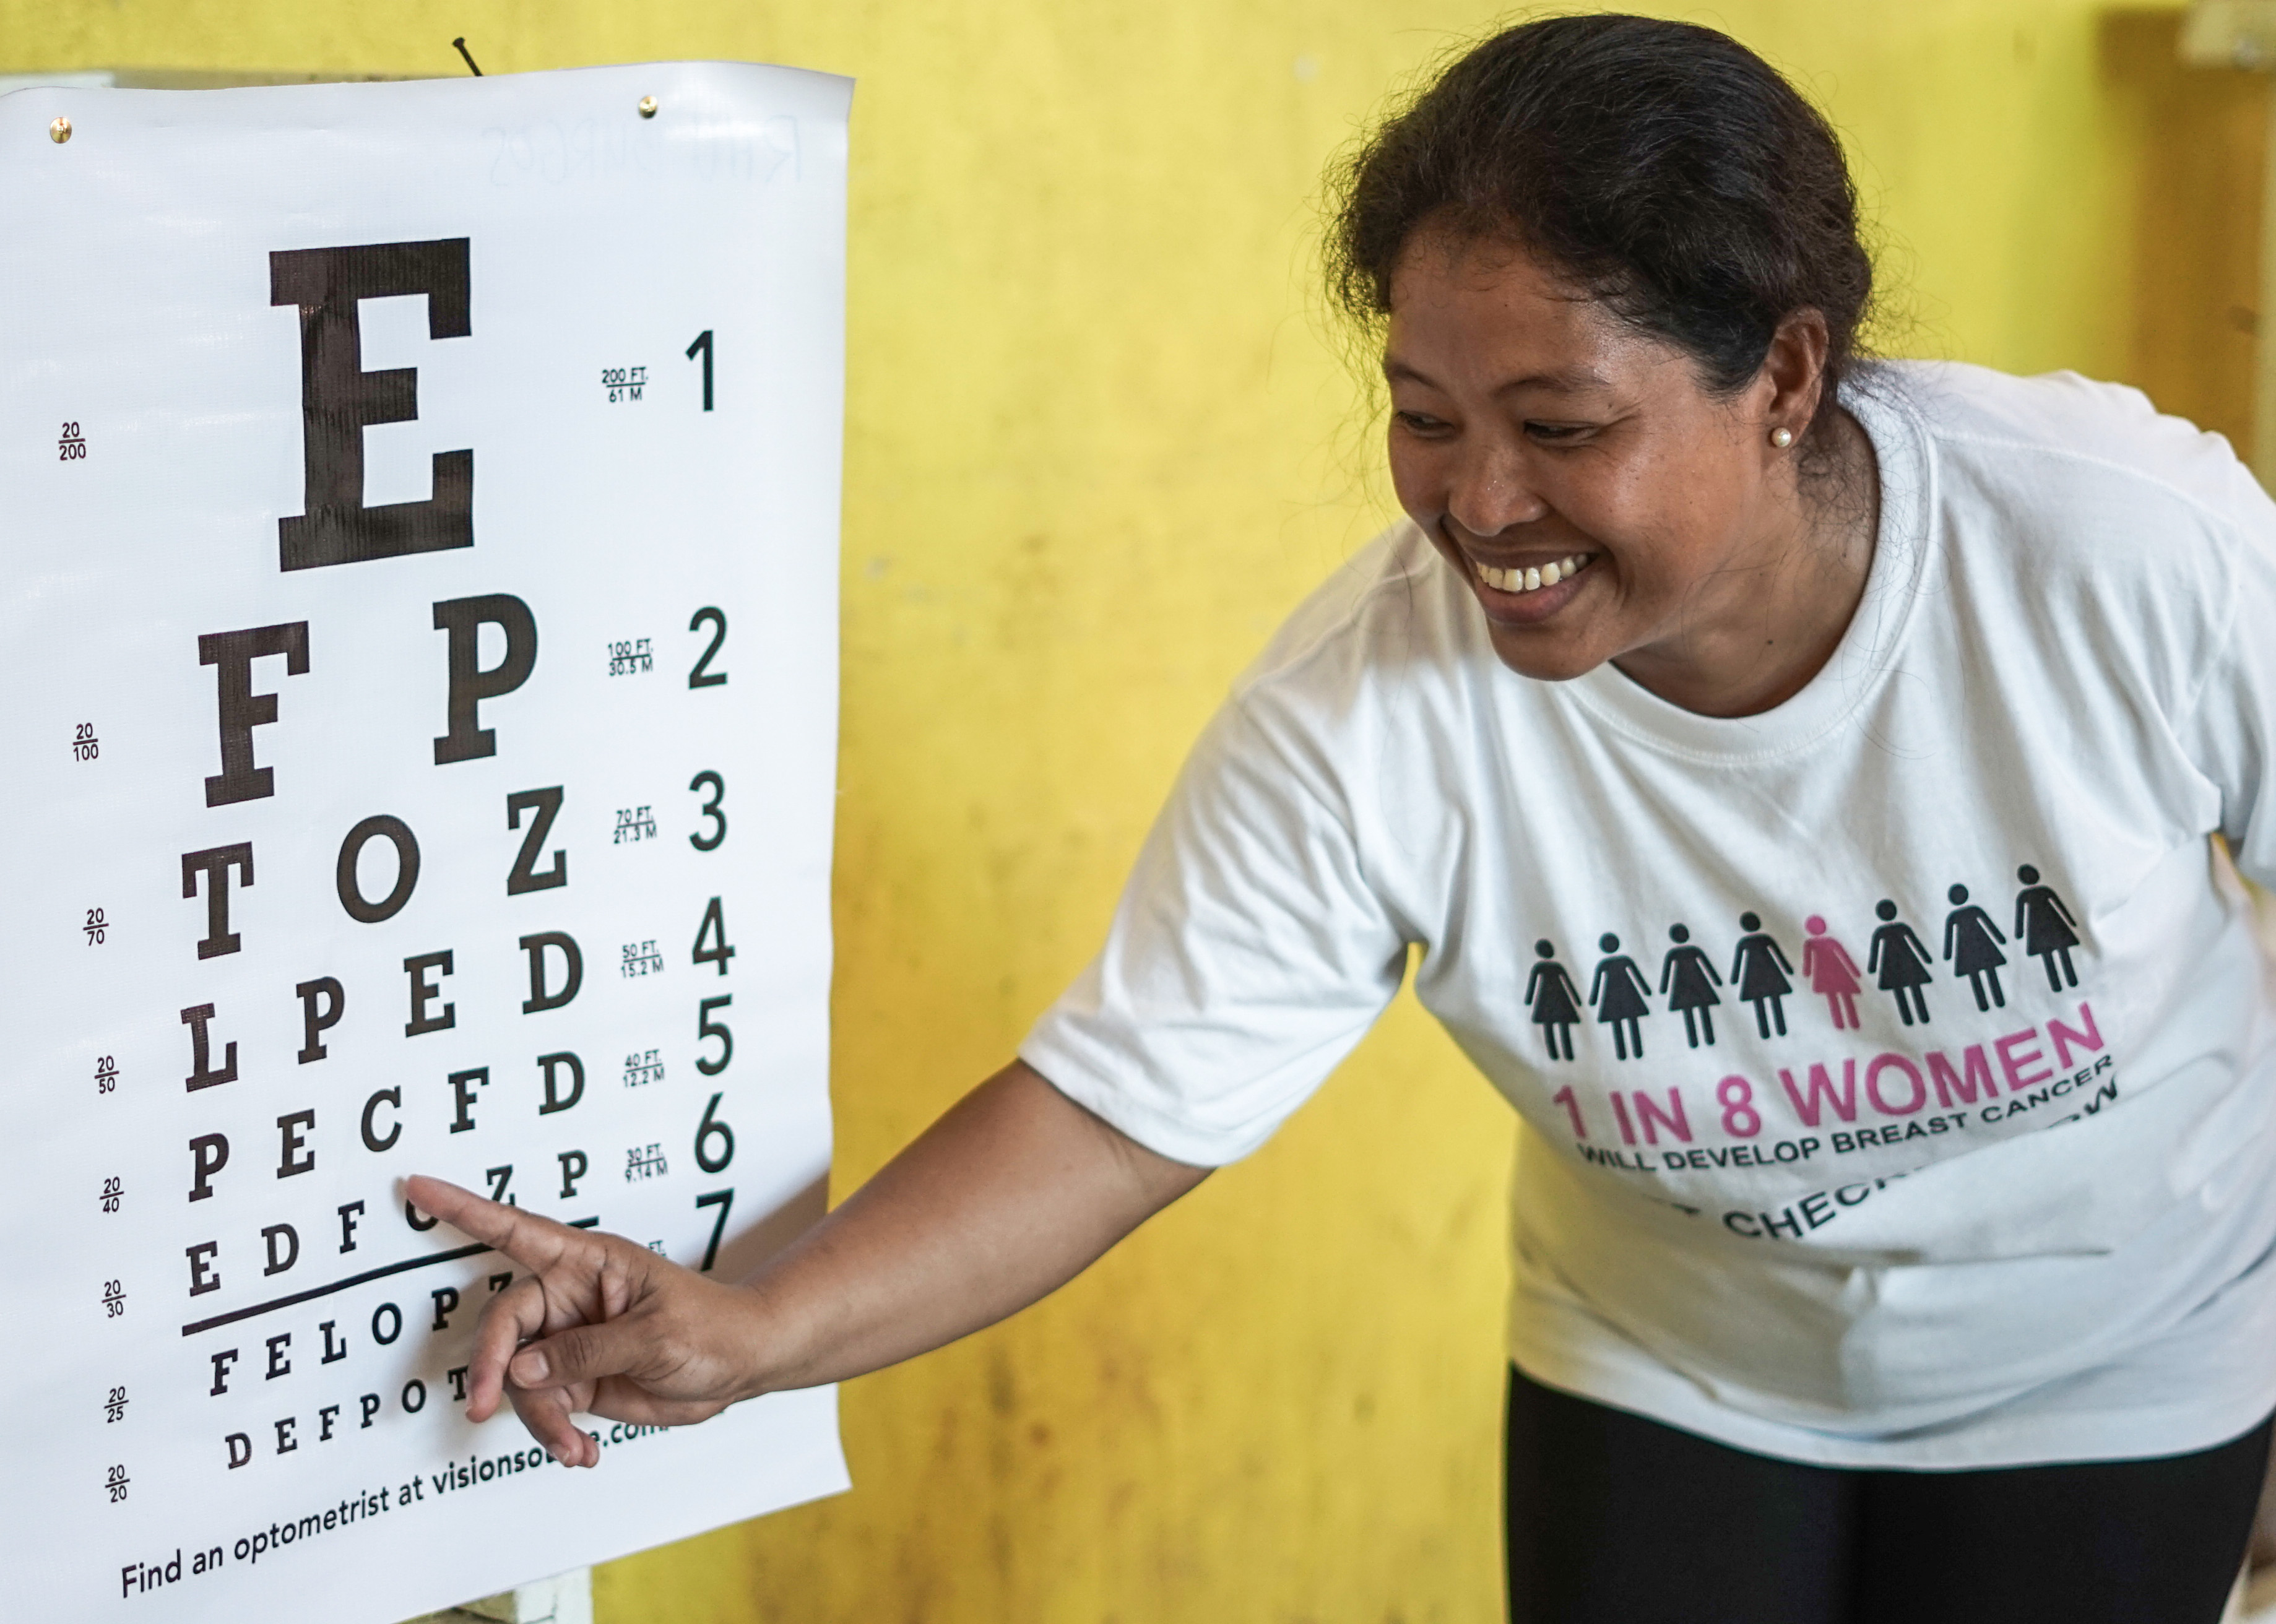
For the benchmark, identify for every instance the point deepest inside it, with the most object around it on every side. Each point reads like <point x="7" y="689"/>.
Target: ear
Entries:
<point x="1792" y="375"/>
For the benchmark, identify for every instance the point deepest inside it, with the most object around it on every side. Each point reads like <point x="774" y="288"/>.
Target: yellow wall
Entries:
<point x="1096" y="444"/>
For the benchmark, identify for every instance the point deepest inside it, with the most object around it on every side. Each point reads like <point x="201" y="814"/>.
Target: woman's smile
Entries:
<point x="1527" y="591"/>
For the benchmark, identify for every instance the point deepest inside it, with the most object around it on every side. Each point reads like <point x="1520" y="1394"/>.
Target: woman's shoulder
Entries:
<point x="1393" y="606"/>
<point x="2062" y="444"/>
<point x="2073" y="515"/>
<point x="1385" y="656"/>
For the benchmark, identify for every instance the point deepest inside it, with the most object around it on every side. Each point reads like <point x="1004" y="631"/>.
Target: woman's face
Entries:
<point x="1535" y="439"/>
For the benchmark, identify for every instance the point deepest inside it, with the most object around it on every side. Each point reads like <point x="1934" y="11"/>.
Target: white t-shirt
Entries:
<point x="1821" y="1155"/>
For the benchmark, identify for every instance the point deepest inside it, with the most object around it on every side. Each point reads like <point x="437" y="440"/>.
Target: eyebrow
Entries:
<point x="1562" y="380"/>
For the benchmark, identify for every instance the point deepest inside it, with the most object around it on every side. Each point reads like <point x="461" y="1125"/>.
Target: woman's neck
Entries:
<point x="1770" y="623"/>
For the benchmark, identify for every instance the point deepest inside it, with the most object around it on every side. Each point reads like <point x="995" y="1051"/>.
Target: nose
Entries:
<point x="1489" y="492"/>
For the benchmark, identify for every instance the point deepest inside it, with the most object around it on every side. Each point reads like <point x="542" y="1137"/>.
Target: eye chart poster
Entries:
<point x="419" y="509"/>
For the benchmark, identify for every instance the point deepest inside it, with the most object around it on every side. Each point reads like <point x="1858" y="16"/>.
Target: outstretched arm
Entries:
<point x="1009" y="1196"/>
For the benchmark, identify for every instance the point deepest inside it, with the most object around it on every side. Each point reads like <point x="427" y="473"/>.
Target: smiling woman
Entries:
<point x="1534" y="434"/>
<point x="1617" y="327"/>
<point x="1702" y="641"/>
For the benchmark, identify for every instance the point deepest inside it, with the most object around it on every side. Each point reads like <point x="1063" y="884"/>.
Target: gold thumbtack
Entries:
<point x="59" y="131"/>
<point x="647" y="104"/>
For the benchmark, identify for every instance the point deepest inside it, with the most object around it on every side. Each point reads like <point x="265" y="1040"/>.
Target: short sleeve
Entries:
<point x="2230" y="728"/>
<point x="1247" y="958"/>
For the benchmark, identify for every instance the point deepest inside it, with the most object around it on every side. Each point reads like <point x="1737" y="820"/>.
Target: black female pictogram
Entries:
<point x="1620" y="996"/>
<point x="2044" y="927"/>
<point x="1759" y="971"/>
<point x="1900" y="961"/>
<point x="1555" y="1000"/>
<point x="1694" y="982"/>
<point x="1971" y="941"/>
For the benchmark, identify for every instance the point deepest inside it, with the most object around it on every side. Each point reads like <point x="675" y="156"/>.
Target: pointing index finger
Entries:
<point x="535" y="1243"/>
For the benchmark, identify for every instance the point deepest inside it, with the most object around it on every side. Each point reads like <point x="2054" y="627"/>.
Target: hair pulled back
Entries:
<point x="1662" y="167"/>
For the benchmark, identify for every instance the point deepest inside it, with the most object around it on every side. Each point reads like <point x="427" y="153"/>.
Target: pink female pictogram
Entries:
<point x="1828" y="968"/>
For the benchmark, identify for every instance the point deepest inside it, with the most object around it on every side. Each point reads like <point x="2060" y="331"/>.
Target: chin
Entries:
<point x="1544" y="660"/>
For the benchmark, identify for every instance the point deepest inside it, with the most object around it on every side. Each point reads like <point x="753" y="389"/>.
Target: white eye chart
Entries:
<point x="419" y="506"/>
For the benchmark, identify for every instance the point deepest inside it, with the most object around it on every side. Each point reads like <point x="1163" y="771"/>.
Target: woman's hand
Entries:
<point x="1005" y="1198"/>
<point x="597" y="1324"/>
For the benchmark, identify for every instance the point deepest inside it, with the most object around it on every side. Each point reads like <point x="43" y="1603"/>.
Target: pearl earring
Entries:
<point x="1781" y="436"/>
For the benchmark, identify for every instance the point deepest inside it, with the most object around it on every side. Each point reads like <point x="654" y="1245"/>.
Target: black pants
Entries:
<point x="1616" y="1520"/>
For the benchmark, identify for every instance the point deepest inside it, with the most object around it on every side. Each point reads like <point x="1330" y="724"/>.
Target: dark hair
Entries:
<point x="1663" y="167"/>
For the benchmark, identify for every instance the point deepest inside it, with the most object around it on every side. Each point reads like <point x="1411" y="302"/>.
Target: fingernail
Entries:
<point x="529" y="1369"/>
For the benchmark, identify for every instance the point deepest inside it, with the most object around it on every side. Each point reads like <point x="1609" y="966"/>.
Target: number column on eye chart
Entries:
<point x="709" y="949"/>
<point x="647" y="1160"/>
<point x="715" y="1139"/>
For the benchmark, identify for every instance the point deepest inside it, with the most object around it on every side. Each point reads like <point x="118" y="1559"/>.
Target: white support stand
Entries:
<point x="566" y="1599"/>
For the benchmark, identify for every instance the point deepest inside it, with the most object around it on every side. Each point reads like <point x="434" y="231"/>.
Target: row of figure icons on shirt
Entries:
<point x="1898" y="958"/>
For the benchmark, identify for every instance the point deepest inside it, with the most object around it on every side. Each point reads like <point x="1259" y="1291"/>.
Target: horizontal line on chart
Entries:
<point x="365" y="1279"/>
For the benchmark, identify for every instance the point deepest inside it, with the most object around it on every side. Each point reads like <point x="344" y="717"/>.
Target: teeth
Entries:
<point x="1515" y="581"/>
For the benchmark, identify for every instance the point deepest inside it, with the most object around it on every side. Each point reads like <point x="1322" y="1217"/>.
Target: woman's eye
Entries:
<point x="1553" y="433"/>
<point x="1420" y="423"/>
